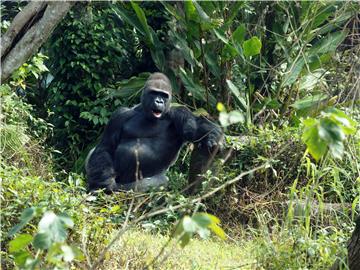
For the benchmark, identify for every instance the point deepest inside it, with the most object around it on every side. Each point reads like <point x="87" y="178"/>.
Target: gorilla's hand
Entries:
<point x="214" y="140"/>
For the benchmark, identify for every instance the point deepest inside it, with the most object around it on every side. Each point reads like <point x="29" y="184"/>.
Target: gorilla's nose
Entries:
<point x="159" y="101"/>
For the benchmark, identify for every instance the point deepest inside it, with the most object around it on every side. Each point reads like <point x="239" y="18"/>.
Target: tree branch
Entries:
<point x="34" y="37"/>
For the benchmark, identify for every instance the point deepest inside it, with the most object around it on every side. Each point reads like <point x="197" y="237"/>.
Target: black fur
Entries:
<point x="141" y="143"/>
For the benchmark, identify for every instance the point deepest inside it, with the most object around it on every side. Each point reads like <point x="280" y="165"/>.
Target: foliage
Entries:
<point x="327" y="132"/>
<point x="49" y="242"/>
<point x="200" y="223"/>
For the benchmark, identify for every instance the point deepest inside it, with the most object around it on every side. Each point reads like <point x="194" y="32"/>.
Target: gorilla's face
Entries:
<point x="155" y="103"/>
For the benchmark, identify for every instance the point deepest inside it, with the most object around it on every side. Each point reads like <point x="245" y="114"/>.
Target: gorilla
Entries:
<point x="139" y="144"/>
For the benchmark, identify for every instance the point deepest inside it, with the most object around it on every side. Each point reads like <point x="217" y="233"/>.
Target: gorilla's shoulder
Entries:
<point x="122" y="113"/>
<point x="179" y="109"/>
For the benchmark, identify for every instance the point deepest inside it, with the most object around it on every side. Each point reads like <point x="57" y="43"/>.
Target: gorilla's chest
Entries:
<point x="153" y="145"/>
<point x="140" y="128"/>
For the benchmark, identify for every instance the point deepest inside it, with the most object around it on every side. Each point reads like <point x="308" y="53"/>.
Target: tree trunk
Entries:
<point x="353" y="250"/>
<point x="28" y="31"/>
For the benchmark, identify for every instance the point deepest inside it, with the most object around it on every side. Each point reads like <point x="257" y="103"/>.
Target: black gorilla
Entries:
<point x="141" y="143"/>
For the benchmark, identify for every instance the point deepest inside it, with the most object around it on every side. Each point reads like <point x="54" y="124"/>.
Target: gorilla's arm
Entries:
<point x="196" y="129"/>
<point x="207" y="137"/>
<point x="99" y="168"/>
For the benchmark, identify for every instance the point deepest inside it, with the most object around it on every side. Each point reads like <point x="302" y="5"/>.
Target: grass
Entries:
<point x="138" y="248"/>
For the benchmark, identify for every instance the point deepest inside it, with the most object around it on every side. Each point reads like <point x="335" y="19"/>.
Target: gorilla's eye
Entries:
<point x="160" y="94"/>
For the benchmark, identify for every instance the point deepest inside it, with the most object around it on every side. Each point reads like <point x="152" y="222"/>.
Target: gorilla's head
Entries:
<point x="156" y="96"/>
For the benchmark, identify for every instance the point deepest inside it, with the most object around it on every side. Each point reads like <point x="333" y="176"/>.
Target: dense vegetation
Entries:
<point x="282" y="79"/>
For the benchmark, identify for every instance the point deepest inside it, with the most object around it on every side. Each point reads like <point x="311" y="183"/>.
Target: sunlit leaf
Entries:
<point x="68" y="253"/>
<point x="20" y="242"/>
<point x="233" y="117"/>
<point x="21" y="257"/>
<point x="252" y="46"/>
<point x="315" y="145"/>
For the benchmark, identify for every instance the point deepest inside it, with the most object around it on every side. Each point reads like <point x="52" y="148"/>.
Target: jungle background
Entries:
<point x="281" y="78"/>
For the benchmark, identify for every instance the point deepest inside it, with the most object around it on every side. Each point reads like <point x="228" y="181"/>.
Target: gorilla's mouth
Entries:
<point x="157" y="113"/>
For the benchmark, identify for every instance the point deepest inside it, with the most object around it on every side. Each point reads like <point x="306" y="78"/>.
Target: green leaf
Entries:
<point x="142" y="18"/>
<point x="330" y="131"/>
<point x="190" y="11"/>
<point x="211" y="60"/>
<point x="221" y="36"/>
<point x="229" y="52"/>
<point x="68" y="253"/>
<point x="54" y="226"/>
<point x="233" y="117"/>
<point x="238" y="36"/>
<point x="322" y="15"/>
<point x="348" y="125"/>
<point x="309" y="81"/>
<point x="132" y="86"/>
<point x="252" y="46"/>
<point x="329" y="43"/>
<point x="202" y="14"/>
<point x="128" y="17"/>
<point x="316" y="146"/>
<point x="20" y="242"/>
<point x="293" y="73"/>
<point x="21" y="257"/>
<point x="42" y="241"/>
<point x="237" y="94"/>
<point x="195" y="89"/>
<point x="26" y="216"/>
<point x="308" y="104"/>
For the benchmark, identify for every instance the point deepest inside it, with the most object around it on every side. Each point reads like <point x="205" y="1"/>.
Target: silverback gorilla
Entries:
<point x="139" y="144"/>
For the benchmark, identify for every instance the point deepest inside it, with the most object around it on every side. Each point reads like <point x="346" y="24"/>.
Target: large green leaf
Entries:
<point x="332" y="133"/>
<point x="293" y="73"/>
<point x="52" y="229"/>
<point x="316" y="146"/>
<point x="238" y="37"/>
<point x="190" y="11"/>
<point x="347" y="124"/>
<point x="308" y="103"/>
<point x="239" y="34"/>
<point x="197" y="91"/>
<point x="327" y="132"/>
<point x="212" y="63"/>
<point x="237" y="94"/>
<point x="129" y="18"/>
<point x="132" y="86"/>
<point x="142" y="18"/>
<point x="20" y="242"/>
<point x="329" y="43"/>
<point x="26" y="216"/>
<point x="252" y="46"/>
<point x="309" y="81"/>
